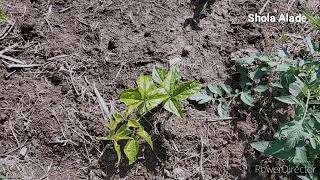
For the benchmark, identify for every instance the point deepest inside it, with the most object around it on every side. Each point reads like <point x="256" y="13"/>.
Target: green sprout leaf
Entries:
<point x="186" y="90"/>
<point x="215" y="89"/>
<point x="134" y="123"/>
<point x="226" y="88"/>
<point x="144" y="135"/>
<point x="131" y="150"/>
<point x="118" y="150"/>
<point x="159" y="74"/>
<point x="276" y="84"/>
<point x="174" y="106"/>
<point x="169" y="84"/>
<point x="260" y="88"/>
<point x="146" y="97"/>
<point x="247" y="98"/>
<point x="223" y="109"/>
<point x="201" y="97"/>
<point x="131" y="97"/>
<point x="287" y="99"/>
<point x="3" y="16"/>
<point x="315" y="21"/>
<point x="295" y="89"/>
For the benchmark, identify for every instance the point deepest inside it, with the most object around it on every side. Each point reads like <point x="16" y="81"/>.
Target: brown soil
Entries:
<point x="51" y="111"/>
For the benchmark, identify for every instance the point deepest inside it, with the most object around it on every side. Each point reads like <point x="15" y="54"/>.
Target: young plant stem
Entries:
<point x="306" y="109"/>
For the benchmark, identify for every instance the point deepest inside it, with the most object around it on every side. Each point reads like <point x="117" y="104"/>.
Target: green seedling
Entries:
<point x="164" y="88"/>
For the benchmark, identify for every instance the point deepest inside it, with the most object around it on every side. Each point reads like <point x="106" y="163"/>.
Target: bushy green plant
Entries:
<point x="298" y="82"/>
<point x="298" y="141"/>
<point x="164" y="88"/>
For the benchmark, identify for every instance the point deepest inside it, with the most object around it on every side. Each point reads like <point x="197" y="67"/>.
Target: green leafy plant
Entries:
<point x="298" y="141"/>
<point x="163" y="88"/>
<point x="297" y="81"/>
<point x="254" y="71"/>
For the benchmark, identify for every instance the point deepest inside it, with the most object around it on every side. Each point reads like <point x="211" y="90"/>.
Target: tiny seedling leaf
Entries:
<point x="159" y="74"/>
<point x="276" y="84"/>
<point x="223" y="109"/>
<point x="247" y="98"/>
<point x="215" y="89"/>
<point x="295" y="89"/>
<point x="260" y="88"/>
<point x="287" y="99"/>
<point x="226" y="88"/>
<point x="201" y="97"/>
<point x="186" y="90"/>
<point x="134" y="123"/>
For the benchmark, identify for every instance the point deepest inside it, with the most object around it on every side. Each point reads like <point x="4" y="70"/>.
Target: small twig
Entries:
<point x="264" y="6"/>
<point x="174" y="145"/>
<point x="46" y="18"/>
<point x="10" y="74"/>
<point x="201" y="158"/>
<point x="9" y="48"/>
<point x="13" y="133"/>
<point x="268" y="121"/>
<point x="48" y="22"/>
<point x="13" y="150"/>
<point x="221" y="119"/>
<point x="10" y="66"/>
<point x="122" y="64"/>
<point x="11" y="59"/>
<point x="103" y="105"/>
<point x="65" y="9"/>
<point x="294" y="36"/>
<point x="58" y="57"/>
<point x="82" y="22"/>
<point x="7" y="30"/>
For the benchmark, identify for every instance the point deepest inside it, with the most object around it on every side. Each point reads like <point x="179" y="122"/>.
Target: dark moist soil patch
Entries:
<point x="52" y="112"/>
